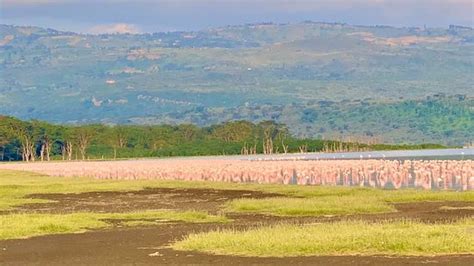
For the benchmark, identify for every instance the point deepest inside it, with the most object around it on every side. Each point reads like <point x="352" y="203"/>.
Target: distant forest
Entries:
<point x="37" y="140"/>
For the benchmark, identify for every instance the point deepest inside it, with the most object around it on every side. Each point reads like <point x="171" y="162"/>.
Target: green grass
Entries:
<point x="327" y="205"/>
<point x="404" y="238"/>
<point x="13" y="226"/>
<point x="340" y="238"/>
<point x="395" y="196"/>
<point x="316" y="201"/>
<point x="15" y="186"/>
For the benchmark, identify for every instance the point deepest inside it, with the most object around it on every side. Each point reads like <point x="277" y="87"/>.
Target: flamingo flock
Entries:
<point x="391" y="174"/>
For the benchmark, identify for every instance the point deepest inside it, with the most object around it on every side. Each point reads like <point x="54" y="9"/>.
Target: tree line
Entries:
<point x="38" y="140"/>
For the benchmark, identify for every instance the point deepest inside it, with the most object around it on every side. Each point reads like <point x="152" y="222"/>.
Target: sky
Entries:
<point x="109" y="16"/>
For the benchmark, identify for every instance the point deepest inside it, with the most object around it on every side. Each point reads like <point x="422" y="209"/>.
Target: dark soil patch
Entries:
<point x="148" y="199"/>
<point x="140" y="246"/>
<point x="211" y="200"/>
<point x="149" y="245"/>
<point x="427" y="212"/>
<point x="433" y="212"/>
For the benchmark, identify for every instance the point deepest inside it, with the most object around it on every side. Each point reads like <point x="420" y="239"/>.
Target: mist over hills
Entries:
<point x="321" y="79"/>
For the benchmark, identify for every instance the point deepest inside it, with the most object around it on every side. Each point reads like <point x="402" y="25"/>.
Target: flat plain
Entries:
<point x="80" y="220"/>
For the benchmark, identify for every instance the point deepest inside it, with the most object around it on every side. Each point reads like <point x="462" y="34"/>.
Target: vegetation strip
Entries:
<point x="38" y="140"/>
<point x="328" y="205"/>
<point x="343" y="201"/>
<point x="26" y="225"/>
<point x="403" y="238"/>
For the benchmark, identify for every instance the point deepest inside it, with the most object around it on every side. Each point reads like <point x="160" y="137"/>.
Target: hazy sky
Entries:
<point x="98" y="16"/>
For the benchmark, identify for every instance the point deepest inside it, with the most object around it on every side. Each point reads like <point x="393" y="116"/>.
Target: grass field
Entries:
<point x="27" y="225"/>
<point x="328" y="205"/>
<point x="340" y="238"/>
<point x="339" y="201"/>
<point x="347" y="237"/>
<point x="15" y="185"/>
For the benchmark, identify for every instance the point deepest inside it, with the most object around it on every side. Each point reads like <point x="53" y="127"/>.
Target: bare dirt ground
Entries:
<point x="148" y="199"/>
<point x="150" y="244"/>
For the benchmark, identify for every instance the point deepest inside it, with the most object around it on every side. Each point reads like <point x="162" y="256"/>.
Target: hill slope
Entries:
<point x="185" y="76"/>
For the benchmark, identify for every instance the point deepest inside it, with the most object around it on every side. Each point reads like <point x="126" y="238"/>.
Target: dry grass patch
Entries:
<point x="401" y="238"/>
<point x="327" y="205"/>
<point x="14" y="226"/>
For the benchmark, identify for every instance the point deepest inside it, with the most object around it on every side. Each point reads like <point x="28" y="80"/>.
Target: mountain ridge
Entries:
<point x="66" y="77"/>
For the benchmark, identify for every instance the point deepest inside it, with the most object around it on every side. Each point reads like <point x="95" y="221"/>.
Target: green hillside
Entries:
<point x="319" y="79"/>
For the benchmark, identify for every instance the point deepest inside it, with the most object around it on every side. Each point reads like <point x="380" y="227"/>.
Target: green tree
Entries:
<point x="236" y="131"/>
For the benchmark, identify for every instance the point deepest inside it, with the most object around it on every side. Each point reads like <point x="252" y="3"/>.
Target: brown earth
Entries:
<point x="149" y="244"/>
<point x="148" y="199"/>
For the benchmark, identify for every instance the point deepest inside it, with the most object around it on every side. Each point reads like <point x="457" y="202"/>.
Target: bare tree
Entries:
<point x="83" y="138"/>
<point x="66" y="150"/>
<point x="267" y="141"/>
<point x="248" y="149"/>
<point x="244" y="150"/>
<point x="46" y="145"/>
<point x="4" y="139"/>
<point x="24" y="133"/>
<point x="303" y="148"/>
<point x="282" y="135"/>
<point x="27" y="148"/>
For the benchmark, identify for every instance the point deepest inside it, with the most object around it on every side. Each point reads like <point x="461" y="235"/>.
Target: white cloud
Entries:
<point x="114" y="28"/>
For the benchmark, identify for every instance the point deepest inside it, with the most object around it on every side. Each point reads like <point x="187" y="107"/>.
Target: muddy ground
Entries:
<point x="149" y="244"/>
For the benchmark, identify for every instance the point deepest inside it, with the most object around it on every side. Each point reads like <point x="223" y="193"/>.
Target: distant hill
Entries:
<point x="320" y="79"/>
